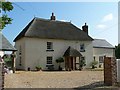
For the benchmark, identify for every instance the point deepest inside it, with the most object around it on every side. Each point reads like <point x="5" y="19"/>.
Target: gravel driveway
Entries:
<point x="55" y="79"/>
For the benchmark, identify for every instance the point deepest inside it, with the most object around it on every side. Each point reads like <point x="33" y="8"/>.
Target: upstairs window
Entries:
<point x="49" y="60"/>
<point x="82" y="48"/>
<point x="50" y="46"/>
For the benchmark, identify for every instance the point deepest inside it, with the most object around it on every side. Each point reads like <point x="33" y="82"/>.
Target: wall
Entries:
<point x="102" y="52"/>
<point x="18" y="44"/>
<point x="1" y="76"/>
<point x="110" y="71"/>
<point x="35" y="51"/>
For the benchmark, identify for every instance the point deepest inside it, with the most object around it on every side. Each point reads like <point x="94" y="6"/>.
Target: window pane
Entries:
<point x="101" y="59"/>
<point x="82" y="47"/>
<point x="49" y="60"/>
<point x="49" y="45"/>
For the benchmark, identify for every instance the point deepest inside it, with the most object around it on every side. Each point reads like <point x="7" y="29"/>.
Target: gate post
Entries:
<point x="2" y="73"/>
<point x="110" y="71"/>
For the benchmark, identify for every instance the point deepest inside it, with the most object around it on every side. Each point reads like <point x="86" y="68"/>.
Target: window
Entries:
<point x="101" y="59"/>
<point x="82" y="48"/>
<point x="49" y="60"/>
<point x="49" y="46"/>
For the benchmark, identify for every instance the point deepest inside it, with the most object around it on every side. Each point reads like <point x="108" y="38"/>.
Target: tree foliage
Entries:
<point x="117" y="51"/>
<point x="4" y="18"/>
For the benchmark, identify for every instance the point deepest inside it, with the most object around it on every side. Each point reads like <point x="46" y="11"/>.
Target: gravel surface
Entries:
<point x="54" y="79"/>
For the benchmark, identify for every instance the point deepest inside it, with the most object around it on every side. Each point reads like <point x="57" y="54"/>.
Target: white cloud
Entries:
<point x="101" y="26"/>
<point x="108" y="17"/>
<point x="63" y="20"/>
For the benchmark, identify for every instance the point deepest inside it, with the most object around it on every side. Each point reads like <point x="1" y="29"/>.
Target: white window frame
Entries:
<point x="82" y="47"/>
<point x="101" y="59"/>
<point x="49" y="61"/>
<point x="49" y="45"/>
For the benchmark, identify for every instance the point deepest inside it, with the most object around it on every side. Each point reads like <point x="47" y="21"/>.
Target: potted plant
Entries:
<point x="94" y="63"/>
<point x="38" y="68"/>
<point x="82" y="63"/>
<point x="59" y="61"/>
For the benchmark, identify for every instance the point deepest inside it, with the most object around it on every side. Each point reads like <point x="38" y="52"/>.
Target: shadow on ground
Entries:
<point x="97" y="86"/>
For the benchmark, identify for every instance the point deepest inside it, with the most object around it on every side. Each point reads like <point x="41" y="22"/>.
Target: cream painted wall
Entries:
<point x="34" y="50"/>
<point x="108" y="52"/>
<point x="20" y="43"/>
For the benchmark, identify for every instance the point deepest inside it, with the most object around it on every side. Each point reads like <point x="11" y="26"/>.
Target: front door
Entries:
<point x="70" y="63"/>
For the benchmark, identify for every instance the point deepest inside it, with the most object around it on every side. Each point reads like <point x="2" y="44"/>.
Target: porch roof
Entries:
<point x="72" y="52"/>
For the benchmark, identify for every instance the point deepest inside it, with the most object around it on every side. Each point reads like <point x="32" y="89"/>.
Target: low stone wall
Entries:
<point x="1" y="76"/>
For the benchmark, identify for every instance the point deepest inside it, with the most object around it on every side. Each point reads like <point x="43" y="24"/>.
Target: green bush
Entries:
<point x="82" y="64"/>
<point x="38" y="68"/>
<point x="93" y="64"/>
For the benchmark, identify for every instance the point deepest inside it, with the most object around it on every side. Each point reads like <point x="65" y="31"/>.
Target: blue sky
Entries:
<point x="101" y="17"/>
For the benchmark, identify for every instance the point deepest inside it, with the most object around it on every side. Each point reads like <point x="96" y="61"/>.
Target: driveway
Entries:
<point x="55" y="79"/>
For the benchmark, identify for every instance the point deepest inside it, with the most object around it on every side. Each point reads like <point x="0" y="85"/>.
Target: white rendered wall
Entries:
<point x="35" y="51"/>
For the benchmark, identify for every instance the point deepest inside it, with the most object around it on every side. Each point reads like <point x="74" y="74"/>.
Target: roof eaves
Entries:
<point x="104" y="47"/>
<point x="22" y="33"/>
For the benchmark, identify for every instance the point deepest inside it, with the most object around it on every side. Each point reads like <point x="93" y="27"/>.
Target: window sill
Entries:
<point x="82" y="50"/>
<point x="49" y="65"/>
<point x="49" y="50"/>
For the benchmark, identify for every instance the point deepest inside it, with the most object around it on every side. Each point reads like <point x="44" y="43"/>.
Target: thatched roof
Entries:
<point x="52" y="29"/>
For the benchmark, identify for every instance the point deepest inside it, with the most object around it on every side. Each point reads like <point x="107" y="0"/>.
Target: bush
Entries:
<point x="82" y="63"/>
<point x="94" y="63"/>
<point x="38" y="68"/>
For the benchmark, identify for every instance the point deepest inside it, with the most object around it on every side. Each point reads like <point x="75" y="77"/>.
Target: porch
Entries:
<point x="72" y="59"/>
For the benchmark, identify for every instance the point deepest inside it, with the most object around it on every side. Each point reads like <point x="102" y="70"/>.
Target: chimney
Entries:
<point x="52" y="17"/>
<point x="85" y="28"/>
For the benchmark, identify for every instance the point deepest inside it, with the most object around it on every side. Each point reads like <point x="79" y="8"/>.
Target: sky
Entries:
<point x="101" y="17"/>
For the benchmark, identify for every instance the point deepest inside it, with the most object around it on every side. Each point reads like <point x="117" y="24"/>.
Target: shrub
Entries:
<point x="93" y="64"/>
<point x="38" y="68"/>
<point x="82" y="63"/>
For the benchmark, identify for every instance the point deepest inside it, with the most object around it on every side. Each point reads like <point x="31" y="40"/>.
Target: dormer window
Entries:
<point x="82" y="48"/>
<point x="50" y="46"/>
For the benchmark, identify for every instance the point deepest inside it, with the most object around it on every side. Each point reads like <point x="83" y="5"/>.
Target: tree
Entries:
<point x="4" y="18"/>
<point x="117" y="51"/>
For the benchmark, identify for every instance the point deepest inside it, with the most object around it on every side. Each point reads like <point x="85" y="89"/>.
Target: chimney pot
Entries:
<point x="85" y="28"/>
<point x="52" y="17"/>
